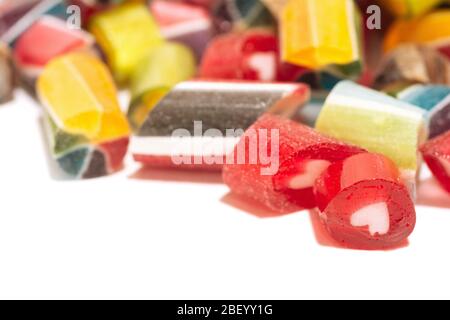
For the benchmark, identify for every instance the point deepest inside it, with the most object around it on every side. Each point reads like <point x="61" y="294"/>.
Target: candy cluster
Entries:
<point x="301" y="104"/>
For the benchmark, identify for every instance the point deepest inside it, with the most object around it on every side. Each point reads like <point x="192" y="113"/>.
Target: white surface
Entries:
<point x="166" y="237"/>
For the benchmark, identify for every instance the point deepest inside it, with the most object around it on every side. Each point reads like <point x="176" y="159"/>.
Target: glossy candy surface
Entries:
<point x="87" y="131"/>
<point x="310" y="40"/>
<point x="282" y="160"/>
<point x="431" y="29"/>
<point x="376" y="122"/>
<point x="435" y="100"/>
<point x="126" y="34"/>
<point x="201" y="109"/>
<point x="410" y="8"/>
<point x="436" y="154"/>
<point x="157" y="74"/>
<point x="46" y="39"/>
<point x="364" y="204"/>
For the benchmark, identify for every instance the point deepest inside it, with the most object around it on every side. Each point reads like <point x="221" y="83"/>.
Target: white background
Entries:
<point x="161" y="234"/>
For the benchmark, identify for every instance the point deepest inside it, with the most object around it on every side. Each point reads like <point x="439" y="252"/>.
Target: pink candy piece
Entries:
<point x="364" y="204"/>
<point x="436" y="154"/>
<point x="282" y="160"/>
<point x="250" y="55"/>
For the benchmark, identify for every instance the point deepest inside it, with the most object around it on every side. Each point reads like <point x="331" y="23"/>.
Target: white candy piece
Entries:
<point x="375" y="216"/>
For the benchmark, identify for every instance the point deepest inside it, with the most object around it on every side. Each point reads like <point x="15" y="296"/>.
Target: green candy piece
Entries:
<point x="375" y="122"/>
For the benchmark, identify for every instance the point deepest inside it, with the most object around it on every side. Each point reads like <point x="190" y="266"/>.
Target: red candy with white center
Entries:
<point x="436" y="154"/>
<point x="250" y="55"/>
<point x="303" y="154"/>
<point x="364" y="204"/>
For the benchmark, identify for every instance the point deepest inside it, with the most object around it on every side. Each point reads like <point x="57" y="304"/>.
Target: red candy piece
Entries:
<point x="115" y="151"/>
<point x="250" y="55"/>
<point x="46" y="39"/>
<point x="363" y="203"/>
<point x="436" y="154"/>
<point x="298" y="152"/>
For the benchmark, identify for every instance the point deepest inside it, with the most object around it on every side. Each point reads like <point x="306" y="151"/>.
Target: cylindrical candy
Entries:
<point x="376" y="122"/>
<point x="435" y="100"/>
<point x="126" y="34"/>
<point x="162" y="69"/>
<point x="436" y="154"/>
<point x="281" y="161"/>
<point x="6" y="74"/>
<point x="202" y="110"/>
<point x="248" y="55"/>
<point x="364" y="204"/>
<point x="189" y="24"/>
<point x="88" y="134"/>
<point x="310" y="40"/>
<point x="46" y="39"/>
<point x="410" y="64"/>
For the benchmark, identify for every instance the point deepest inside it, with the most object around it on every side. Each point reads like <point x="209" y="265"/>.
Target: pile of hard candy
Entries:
<point x="300" y="103"/>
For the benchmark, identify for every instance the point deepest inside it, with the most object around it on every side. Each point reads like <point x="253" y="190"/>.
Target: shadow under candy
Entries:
<point x="178" y="175"/>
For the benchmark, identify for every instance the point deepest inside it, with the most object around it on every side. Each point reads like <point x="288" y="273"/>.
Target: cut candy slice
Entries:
<point x="310" y="40"/>
<point x="202" y="109"/>
<point x="363" y="203"/>
<point x="376" y="122"/>
<point x="12" y="11"/>
<point x="436" y="101"/>
<point x="250" y="55"/>
<point x="436" y="154"/>
<point x="162" y="69"/>
<point x="189" y="24"/>
<point x="275" y="6"/>
<point x="46" y="39"/>
<point x="297" y="155"/>
<point x="78" y="92"/>
<point x="87" y="131"/>
<point x="6" y="74"/>
<point x="410" y="65"/>
<point x="410" y="8"/>
<point x="126" y="34"/>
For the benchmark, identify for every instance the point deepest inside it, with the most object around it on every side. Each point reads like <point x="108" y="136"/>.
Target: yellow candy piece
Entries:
<point x="79" y="94"/>
<point x="126" y="34"/>
<point x="317" y="33"/>
<point x="432" y="29"/>
<point x="410" y="8"/>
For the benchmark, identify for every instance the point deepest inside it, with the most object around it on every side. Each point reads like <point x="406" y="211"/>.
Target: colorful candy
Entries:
<point x="162" y="69"/>
<point x="26" y="13"/>
<point x="275" y="6"/>
<point x="310" y="40"/>
<point x="89" y="8"/>
<point x="410" y="64"/>
<point x="436" y="154"/>
<point x="376" y="122"/>
<point x="126" y="34"/>
<point x="211" y="116"/>
<point x="243" y="14"/>
<point x="6" y="74"/>
<point x="248" y="55"/>
<point x="364" y="204"/>
<point x="432" y="30"/>
<point x="87" y="131"/>
<point x="281" y="162"/>
<point x="46" y="39"/>
<point x="12" y="11"/>
<point x="189" y="24"/>
<point x="410" y="8"/>
<point x="436" y="101"/>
